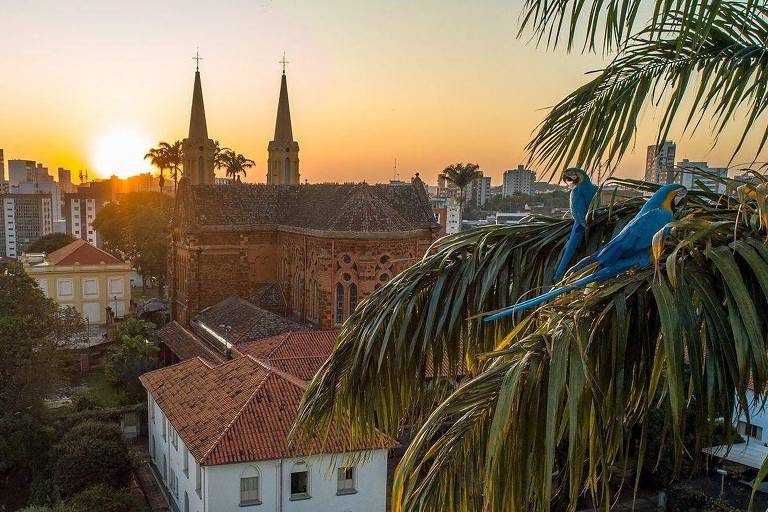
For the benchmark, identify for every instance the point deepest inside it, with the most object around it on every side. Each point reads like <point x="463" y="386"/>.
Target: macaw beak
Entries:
<point x="680" y="198"/>
<point x="571" y="180"/>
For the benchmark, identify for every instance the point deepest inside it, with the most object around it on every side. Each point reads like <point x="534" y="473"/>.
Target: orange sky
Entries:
<point x="428" y="83"/>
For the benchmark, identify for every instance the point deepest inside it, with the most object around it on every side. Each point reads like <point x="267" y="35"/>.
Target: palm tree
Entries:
<point x="159" y="158"/>
<point x="235" y="164"/>
<point x="218" y="154"/>
<point x="173" y="159"/>
<point x="461" y="175"/>
<point x="556" y="402"/>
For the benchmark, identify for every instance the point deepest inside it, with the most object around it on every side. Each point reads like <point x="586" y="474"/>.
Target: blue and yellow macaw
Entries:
<point x="582" y="193"/>
<point x="632" y="247"/>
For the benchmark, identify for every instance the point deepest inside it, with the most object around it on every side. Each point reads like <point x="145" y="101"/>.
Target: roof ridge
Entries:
<point x="186" y="361"/>
<point x="234" y="418"/>
<point x="280" y="373"/>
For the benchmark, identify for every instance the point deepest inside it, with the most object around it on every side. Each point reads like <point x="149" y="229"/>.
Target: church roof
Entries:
<point x="185" y="345"/>
<point x="283" y="130"/>
<point x="297" y="353"/>
<point x="240" y="411"/>
<point x="83" y="253"/>
<point x="198" y="128"/>
<point x="347" y="207"/>
<point x="239" y="321"/>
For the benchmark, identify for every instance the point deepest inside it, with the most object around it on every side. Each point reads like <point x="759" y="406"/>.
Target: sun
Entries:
<point x="121" y="152"/>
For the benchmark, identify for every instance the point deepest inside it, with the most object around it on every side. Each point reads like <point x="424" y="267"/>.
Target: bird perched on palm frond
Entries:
<point x="632" y="247"/>
<point x="582" y="193"/>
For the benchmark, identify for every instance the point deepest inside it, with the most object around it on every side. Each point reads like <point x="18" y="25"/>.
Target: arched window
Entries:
<point x="352" y="297"/>
<point x="300" y="481"/>
<point x="339" y="303"/>
<point x="287" y="170"/>
<point x="200" y="170"/>
<point x="249" y="486"/>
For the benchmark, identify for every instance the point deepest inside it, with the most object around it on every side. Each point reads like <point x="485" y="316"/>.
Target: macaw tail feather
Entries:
<point x="574" y="240"/>
<point x="579" y="283"/>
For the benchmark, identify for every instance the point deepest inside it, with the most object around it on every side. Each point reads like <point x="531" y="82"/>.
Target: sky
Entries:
<point x="91" y="84"/>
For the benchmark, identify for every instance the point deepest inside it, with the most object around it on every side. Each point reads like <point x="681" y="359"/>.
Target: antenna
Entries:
<point x="395" y="170"/>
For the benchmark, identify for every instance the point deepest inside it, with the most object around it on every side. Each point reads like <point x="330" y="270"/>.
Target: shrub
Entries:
<point x="91" y="453"/>
<point x="102" y="498"/>
<point x="682" y="499"/>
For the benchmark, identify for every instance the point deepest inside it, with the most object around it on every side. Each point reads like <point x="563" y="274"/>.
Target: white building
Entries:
<point x="518" y="181"/>
<point x="660" y="163"/>
<point x="218" y="439"/>
<point x="23" y="219"/>
<point x="692" y="181"/>
<point x="80" y="210"/>
<point x="478" y="191"/>
<point x="757" y="426"/>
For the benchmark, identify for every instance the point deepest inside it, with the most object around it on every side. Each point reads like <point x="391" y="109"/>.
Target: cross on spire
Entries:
<point x="197" y="58"/>
<point x="283" y="62"/>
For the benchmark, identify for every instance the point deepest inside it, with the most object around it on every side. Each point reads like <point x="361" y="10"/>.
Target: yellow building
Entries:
<point x="84" y="277"/>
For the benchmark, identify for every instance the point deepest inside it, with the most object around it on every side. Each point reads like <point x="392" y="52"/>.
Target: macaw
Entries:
<point x="582" y="193"/>
<point x="632" y="247"/>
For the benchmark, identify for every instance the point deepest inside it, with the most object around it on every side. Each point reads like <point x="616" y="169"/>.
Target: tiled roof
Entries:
<point x="269" y="296"/>
<point x="186" y="345"/>
<point x="81" y="252"/>
<point x="239" y="411"/>
<point x="239" y="321"/>
<point x="355" y="207"/>
<point x="297" y="353"/>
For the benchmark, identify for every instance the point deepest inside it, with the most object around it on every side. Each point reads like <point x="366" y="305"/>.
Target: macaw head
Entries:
<point x="573" y="177"/>
<point x="670" y="197"/>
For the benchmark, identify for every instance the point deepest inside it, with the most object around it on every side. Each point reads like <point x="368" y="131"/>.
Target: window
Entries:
<point x="186" y="502"/>
<point x="185" y="459"/>
<point x="152" y="447"/>
<point x="352" y="297"/>
<point x="65" y="288"/>
<point x="339" y="303"/>
<point x="174" y="438"/>
<point x="90" y="287"/>
<point x="345" y="480"/>
<point x="152" y="408"/>
<point x="747" y="429"/>
<point x="249" y="490"/>
<point x="115" y="287"/>
<point x="165" y="428"/>
<point x="165" y="468"/>
<point x="198" y="479"/>
<point x="91" y="311"/>
<point x="299" y="482"/>
<point x="173" y="483"/>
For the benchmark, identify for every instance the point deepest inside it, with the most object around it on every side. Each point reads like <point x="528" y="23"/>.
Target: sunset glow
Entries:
<point x="121" y="152"/>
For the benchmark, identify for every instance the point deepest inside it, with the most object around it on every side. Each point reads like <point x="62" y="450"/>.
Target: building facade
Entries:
<point x="478" y="191"/>
<point x="80" y="209"/>
<point x="325" y="246"/>
<point x="694" y="181"/>
<point x="660" y="163"/>
<point x="222" y="444"/>
<point x="518" y="181"/>
<point x="19" y="171"/>
<point x="83" y="277"/>
<point x="24" y="218"/>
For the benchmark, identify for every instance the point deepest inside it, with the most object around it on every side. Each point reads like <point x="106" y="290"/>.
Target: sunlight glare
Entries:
<point x="121" y="152"/>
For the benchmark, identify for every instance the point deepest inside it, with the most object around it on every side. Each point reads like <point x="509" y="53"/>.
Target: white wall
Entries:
<point x="758" y="416"/>
<point x="221" y="484"/>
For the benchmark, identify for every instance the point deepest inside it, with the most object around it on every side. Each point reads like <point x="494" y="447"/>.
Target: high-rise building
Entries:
<point x="518" y="181"/>
<point x="19" y="171"/>
<point x="23" y="218"/>
<point x="197" y="148"/>
<point x="2" y="165"/>
<point x="80" y="210"/>
<point x="694" y="181"/>
<point x="283" y="159"/>
<point x="660" y="163"/>
<point x="478" y="190"/>
<point x="65" y="181"/>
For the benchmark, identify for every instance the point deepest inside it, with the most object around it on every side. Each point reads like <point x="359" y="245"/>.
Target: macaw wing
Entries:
<point x="636" y="236"/>
<point x="581" y="197"/>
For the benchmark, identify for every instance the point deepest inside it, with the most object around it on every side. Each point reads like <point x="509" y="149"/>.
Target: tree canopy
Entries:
<point x="50" y="242"/>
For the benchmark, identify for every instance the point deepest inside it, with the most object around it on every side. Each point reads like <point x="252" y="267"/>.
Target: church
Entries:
<point x="308" y="252"/>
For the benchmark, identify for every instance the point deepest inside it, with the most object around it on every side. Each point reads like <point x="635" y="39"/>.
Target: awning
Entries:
<point x="751" y="454"/>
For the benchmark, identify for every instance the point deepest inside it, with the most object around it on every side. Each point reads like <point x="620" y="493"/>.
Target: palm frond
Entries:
<point x="596" y="124"/>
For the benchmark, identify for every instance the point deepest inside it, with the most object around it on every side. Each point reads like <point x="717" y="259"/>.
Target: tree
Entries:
<point x="159" y="158"/>
<point x="133" y="353"/>
<point x="137" y="229"/>
<point x="103" y="498"/>
<point x="173" y="159"/>
<point x="91" y="453"/>
<point x="218" y="155"/>
<point x="553" y="399"/>
<point x="235" y="164"/>
<point x="50" y="242"/>
<point x="461" y="175"/>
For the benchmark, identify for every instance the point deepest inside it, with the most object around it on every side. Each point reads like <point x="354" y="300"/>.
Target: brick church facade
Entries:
<point x="310" y="252"/>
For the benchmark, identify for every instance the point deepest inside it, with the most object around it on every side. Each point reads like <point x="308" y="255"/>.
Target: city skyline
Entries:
<point x="368" y="86"/>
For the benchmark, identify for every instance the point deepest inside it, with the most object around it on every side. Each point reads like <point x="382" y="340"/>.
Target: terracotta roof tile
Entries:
<point x="297" y="353"/>
<point x="239" y="411"/>
<point x="81" y="252"/>
<point x="186" y="345"/>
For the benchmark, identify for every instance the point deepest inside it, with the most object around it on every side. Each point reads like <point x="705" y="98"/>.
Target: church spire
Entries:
<point x="197" y="148"/>
<point x="283" y="130"/>
<point x="283" y="160"/>
<point x="198" y="129"/>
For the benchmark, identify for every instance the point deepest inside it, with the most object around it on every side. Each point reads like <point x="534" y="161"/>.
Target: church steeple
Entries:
<point x="197" y="148"/>
<point x="283" y="160"/>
